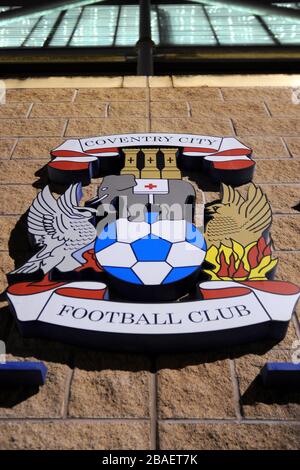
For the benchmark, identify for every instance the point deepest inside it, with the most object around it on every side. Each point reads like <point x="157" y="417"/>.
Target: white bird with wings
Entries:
<point x="61" y="228"/>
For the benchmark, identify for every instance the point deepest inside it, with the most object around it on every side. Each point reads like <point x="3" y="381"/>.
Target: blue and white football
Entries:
<point x="150" y="253"/>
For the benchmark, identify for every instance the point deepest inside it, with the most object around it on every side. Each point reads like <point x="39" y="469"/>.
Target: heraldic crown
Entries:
<point x="146" y="264"/>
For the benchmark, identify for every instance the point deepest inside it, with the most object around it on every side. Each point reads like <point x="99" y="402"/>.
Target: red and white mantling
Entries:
<point x="224" y="153"/>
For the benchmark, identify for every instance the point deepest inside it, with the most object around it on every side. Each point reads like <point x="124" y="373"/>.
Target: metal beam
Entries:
<point x="43" y="8"/>
<point x="254" y="7"/>
<point x="145" y="44"/>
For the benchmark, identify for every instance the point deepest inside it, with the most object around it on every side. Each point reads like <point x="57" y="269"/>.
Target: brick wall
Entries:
<point x="104" y="400"/>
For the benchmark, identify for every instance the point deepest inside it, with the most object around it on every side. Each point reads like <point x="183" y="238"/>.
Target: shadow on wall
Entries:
<point x="257" y="393"/>
<point x="43" y="181"/>
<point x="202" y="180"/>
<point x="11" y="396"/>
<point x="297" y="207"/>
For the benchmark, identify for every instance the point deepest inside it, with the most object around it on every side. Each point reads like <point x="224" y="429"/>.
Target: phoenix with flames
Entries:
<point x="237" y="236"/>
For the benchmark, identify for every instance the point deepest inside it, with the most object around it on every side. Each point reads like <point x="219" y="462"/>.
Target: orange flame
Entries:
<point x="240" y="263"/>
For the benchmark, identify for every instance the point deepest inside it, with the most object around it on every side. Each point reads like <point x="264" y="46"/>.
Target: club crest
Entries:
<point x="146" y="264"/>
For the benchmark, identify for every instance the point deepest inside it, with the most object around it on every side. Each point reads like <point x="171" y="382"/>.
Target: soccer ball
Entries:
<point x="150" y="253"/>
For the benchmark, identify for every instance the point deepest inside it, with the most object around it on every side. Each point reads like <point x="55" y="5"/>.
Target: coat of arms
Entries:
<point x="146" y="264"/>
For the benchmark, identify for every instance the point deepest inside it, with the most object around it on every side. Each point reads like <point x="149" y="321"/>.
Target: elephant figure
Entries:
<point x="126" y="196"/>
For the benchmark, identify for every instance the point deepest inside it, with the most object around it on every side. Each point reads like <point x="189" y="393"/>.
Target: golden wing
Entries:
<point x="238" y="219"/>
<point x="226" y="223"/>
<point x="256" y="211"/>
<point x="231" y="197"/>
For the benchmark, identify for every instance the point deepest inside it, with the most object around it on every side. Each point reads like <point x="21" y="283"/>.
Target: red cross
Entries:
<point x="150" y="186"/>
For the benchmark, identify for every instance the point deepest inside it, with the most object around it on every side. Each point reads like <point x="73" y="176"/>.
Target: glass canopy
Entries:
<point x="172" y="25"/>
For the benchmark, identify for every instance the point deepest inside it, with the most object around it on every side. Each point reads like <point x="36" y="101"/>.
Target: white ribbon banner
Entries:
<point x="226" y="305"/>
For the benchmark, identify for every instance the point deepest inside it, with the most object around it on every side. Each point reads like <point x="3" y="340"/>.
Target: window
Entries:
<point x="179" y="25"/>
